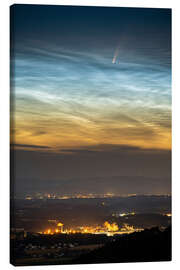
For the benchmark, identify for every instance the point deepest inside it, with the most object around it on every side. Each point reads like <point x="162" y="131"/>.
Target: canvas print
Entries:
<point x="90" y="135"/>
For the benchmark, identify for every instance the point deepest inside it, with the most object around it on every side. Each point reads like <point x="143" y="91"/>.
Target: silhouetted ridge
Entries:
<point x="149" y="245"/>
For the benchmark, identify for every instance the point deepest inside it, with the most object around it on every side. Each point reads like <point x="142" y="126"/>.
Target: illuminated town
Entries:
<point x="107" y="228"/>
<point x="43" y="196"/>
<point x="75" y="196"/>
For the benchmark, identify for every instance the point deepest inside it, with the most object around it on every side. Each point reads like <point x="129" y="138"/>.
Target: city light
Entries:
<point x="107" y="228"/>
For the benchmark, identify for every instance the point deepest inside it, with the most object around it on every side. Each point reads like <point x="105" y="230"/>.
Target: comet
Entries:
<point x="115" y="55"/>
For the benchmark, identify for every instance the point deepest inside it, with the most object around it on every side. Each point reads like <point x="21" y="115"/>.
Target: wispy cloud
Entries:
<point x="16" y="145"/>
<point x="67" y="87"/>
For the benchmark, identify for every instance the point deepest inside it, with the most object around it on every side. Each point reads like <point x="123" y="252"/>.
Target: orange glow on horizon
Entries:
<point x="119" y="133"/>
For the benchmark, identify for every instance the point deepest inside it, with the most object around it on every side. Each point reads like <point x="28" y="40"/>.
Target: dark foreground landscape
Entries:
<point x="148" y="245"/>
<point x="51" y="231"/>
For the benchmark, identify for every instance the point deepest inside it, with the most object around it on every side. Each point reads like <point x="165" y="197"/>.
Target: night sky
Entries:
<point x="91" y="99"/>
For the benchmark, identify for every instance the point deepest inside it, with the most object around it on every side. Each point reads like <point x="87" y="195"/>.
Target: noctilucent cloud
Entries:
<point x="90" y="79"/>
<point x="86" y="76"/>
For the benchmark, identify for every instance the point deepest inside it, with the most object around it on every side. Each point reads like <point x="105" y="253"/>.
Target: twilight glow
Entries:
<point x="91" y="80"/>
